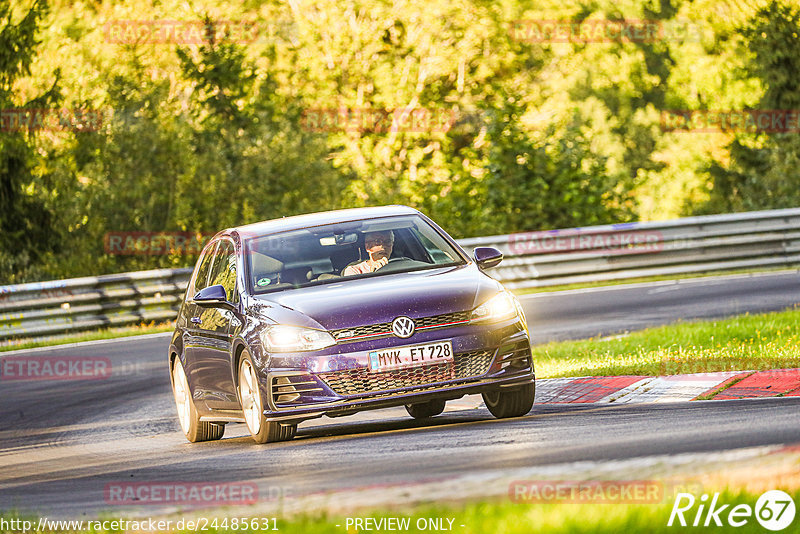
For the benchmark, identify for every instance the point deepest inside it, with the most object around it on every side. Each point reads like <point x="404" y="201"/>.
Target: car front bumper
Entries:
<point x="341" y="384"/>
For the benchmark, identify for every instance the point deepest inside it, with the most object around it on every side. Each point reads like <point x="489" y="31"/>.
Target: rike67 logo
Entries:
<point x="774" y="510"/>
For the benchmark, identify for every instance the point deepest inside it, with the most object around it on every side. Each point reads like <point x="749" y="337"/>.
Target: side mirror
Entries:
<point x="213" y="297"/>
<point x="487" y="257"/>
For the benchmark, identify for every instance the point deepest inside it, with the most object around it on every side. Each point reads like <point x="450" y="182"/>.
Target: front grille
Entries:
<point x="372" y="330"/>
<point x="378" y="330"/>
<point x="444" y="319"/>
<point x="474" y="363"/>
<point x="361" y="381"/>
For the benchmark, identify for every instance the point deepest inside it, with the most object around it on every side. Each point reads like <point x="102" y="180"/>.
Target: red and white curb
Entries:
<point x="637" y="389"/>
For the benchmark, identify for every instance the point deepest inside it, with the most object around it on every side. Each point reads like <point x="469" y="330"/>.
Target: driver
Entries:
<point x="379" y="247"/>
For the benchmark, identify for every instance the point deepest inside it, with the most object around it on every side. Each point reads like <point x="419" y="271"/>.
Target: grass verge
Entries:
<point x="505" y="517"/>
<point x="746" y="342"/>
<point x="517" y="518"/>
<point x="107" y="333"/>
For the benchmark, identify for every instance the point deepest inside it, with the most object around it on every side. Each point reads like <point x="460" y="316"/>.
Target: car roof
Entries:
<point x="297" y="222"/>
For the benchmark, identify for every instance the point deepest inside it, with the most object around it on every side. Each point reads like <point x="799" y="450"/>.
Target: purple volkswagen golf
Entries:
<point x="334" y="313"/>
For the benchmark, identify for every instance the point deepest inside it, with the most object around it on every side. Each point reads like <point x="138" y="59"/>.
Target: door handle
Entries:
<point x="196" y="320"/>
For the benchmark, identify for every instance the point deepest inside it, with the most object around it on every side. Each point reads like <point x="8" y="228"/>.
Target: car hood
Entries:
<point x="380" y="299"/>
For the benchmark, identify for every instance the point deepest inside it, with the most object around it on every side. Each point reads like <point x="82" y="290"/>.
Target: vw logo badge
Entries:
<point x="403" y="327"/>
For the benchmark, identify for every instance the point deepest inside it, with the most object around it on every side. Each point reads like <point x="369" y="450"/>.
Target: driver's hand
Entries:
<point x="366" y="266"/>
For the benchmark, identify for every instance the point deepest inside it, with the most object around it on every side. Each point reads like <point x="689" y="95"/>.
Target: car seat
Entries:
<point x="265" y="270"/>
<point x="295" y="275"/>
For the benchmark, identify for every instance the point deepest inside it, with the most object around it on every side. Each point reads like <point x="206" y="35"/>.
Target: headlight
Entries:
<point x="498" y="308"/>
<point x="283" y="338"/>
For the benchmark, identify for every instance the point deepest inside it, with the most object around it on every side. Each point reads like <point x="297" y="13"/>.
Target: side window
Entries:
<point x="201" y="280"/>
<point x="223" y="272"/>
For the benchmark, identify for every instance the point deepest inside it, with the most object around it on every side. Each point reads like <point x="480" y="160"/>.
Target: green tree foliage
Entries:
<point x="764" y="168"/>
<point x="225" y="151"/>
<point x="197" y="137"/>
<point x="26" y="222"/>
<point x="253" y="159"/>
<point x="517" y="182"/>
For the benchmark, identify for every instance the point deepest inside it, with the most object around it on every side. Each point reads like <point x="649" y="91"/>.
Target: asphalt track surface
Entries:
<point x="63" y="442"/>
<point x="594" y="312"/>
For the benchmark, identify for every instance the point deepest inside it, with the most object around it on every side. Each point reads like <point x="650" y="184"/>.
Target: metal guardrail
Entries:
<point x="622" y="251"/>
<point x="63" y="306"/>
<point x="535" y="259"/>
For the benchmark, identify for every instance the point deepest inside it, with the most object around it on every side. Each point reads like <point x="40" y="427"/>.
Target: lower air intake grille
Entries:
<point x="361" y="381"/>
<point x="288" y="389"/>
<point x="517" y="355"/>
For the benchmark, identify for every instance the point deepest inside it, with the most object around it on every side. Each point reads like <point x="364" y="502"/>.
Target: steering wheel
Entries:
<point x="398" y="264"/>
<point x="392" y="261"/>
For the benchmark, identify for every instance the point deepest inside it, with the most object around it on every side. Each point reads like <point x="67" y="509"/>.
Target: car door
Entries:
<point x="191" y="318"/>
<point x="215" y="332"/>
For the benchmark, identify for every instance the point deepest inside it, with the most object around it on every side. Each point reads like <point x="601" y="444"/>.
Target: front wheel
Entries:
<point x="193" y="428"/>
<point x="263" y="431"/>
<point x="511" y="402"/>
<point x="421" y="410"/>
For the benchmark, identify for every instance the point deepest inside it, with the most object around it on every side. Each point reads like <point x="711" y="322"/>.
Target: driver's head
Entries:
<point x="379" y="244"/>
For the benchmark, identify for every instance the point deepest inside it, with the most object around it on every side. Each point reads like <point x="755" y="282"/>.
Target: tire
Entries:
<point x="261" y="430"/>
<point x="421" y="410"/>
<point x="514" y="402"/>
<point x="193" y="428"/>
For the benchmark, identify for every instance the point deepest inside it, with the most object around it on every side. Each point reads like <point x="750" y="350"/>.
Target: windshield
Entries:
<point x="337" y="252"/>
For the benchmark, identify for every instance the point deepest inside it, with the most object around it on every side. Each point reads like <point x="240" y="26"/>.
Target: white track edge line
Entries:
<point x="658" y="283"/>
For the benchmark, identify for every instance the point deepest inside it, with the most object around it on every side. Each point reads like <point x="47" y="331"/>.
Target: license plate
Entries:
<point x="411" y="356"/>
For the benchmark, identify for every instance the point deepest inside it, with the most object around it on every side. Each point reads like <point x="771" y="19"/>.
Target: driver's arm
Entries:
<point x="366" y="266"/>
